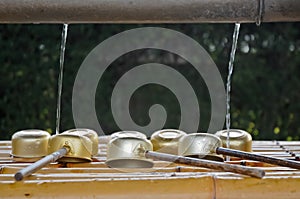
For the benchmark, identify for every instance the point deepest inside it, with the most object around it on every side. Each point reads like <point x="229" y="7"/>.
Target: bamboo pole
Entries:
<point x="145" y="11"/>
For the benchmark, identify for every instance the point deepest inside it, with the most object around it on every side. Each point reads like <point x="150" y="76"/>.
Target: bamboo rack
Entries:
<point x="164" y="180"/>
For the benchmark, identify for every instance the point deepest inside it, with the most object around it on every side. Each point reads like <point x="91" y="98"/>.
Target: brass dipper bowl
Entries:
<point x="125" y="152"/>
<point x="135" y="134"/>
<point x="30" y="144"/>
<point x="238" y="139"/>
<point x="166" y="140"/>
<point x="200" y="145"/>
<point x="80" y="148"/>
<point x="92" y="135"/>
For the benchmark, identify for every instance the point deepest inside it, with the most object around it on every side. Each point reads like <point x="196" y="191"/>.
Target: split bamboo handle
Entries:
<point x="258" y="173"/>
<point x="40" y="164"/>
<point x="261" y="158"/>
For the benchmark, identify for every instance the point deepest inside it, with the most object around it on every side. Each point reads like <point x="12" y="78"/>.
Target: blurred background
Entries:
<point x="265" y="86"/>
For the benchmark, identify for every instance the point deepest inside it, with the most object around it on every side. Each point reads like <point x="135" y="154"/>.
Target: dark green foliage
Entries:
<point x="265" y="90"/>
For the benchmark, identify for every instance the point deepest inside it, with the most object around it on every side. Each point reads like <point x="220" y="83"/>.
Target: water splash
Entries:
<point x="60" y="76"/>
<point x="228" y="85"/>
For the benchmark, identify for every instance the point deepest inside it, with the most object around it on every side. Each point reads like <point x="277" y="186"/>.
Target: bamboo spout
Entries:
<point x="145" y="11"/>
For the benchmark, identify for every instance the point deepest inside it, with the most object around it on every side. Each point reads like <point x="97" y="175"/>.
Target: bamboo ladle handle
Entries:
<point x="261" y="158"/>
<point x="253" y="172"/>
<point x="40" y="163"/>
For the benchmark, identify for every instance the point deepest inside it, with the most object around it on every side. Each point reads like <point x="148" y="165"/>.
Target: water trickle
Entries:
<point x="228" y="85"/>
<point x="60" y="76"/>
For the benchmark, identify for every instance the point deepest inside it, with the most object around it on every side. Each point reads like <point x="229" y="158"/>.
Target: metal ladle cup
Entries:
<point x="123" y="152"/>
<point x="231" y="152"/>
<point x="92" y="135"/>
<point x="166" y="140"/>
<point x="65" y="148"/>
<point x="238" y="139"/>
<point x="128" y="134"/>
<point x="29" y="145"/>
<point x="80" y="148"/>
<point x="200" y="145"/>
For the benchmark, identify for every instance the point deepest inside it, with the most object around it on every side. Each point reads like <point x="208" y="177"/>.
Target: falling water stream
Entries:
<point x="228" y="85"/>
<point x="60" y="76"/>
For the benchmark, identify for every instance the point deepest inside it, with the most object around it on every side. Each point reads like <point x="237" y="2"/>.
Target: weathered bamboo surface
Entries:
<point x="164" y="180"/>
<point x="145" y="11"/>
